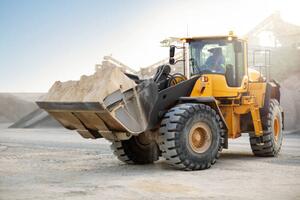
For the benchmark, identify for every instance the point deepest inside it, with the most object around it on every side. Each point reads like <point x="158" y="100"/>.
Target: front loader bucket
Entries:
<point x="133" y="111"/>
<point x="88" y="118"/>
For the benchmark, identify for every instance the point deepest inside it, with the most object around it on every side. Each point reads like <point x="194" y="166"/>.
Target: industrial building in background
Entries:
<point x="269" y="42"/>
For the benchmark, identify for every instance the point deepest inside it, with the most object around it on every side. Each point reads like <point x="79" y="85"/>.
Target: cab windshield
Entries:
<point x="211" y="56"/>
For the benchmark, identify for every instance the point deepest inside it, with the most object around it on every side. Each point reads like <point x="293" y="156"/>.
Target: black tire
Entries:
<point x="269" y="144"/>
<point x="137" y="150"/>
<point x="175" y="131"/>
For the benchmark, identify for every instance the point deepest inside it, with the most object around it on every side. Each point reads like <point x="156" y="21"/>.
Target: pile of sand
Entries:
<point x="36" y="119"/>
<point x="290" y="101"/>
<point x="28" y="96"/>
<point x="13" y="108"/>
<point x="90" y="88"/>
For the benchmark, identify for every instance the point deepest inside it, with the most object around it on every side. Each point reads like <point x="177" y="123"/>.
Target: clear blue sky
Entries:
<point x="46" y="40"/>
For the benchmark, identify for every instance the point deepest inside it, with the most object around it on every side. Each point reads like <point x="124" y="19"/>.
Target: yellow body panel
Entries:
<point x="233" y="121"/>
<point x="258" y="90"/>
<point x="247" y="98"/>
<point x="216" y="86"/>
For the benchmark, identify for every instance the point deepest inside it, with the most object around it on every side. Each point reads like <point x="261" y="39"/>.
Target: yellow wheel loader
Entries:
<point x="185" y="118"/>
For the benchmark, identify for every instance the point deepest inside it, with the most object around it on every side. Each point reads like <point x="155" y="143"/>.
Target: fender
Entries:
<point x="272" y="92"/>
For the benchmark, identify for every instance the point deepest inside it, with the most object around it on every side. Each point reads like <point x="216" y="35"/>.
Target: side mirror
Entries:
<point x="171" y="55"/>
<point x="172" y="51"/>
<point x="238" y="47"/>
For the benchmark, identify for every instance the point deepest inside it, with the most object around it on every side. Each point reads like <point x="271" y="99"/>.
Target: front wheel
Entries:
<point x="141" y="149"/>
<point x="191" y="136"/>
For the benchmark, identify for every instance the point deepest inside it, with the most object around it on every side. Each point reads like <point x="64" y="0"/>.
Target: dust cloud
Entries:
<point x="290" y="101"/>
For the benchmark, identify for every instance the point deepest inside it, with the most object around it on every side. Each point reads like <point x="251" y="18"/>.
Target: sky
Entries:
<point x="42" y="41"/>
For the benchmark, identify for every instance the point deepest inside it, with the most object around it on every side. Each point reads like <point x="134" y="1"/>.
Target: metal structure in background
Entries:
<point x="261" y="61"/>
<point x="109" y="61"/>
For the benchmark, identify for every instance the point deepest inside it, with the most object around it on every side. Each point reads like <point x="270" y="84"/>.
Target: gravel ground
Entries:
<point x="59" y="164"/>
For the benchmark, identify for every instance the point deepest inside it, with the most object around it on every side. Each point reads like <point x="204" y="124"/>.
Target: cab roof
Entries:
<point x="230" y="36"/>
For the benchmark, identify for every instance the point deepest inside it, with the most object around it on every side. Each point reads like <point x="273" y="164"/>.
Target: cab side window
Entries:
<point x="235" y="70"/>
<point x="240" y="68"/>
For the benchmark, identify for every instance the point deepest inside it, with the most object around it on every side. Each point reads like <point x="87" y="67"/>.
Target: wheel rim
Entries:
<point x="200" y="137"/>
<point x="276" y="128"/>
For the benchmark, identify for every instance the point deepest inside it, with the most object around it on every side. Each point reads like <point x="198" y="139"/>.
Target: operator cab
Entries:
<point x="224" y="55"/>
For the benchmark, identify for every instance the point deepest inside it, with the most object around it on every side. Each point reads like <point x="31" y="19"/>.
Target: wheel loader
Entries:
<point x="186" y="118"/>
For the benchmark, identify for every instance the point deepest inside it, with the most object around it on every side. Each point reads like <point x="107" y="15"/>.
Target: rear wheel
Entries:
<point x="270" y="143"/>
<point x="141" y="149"/>
<point x="191" y="136"/>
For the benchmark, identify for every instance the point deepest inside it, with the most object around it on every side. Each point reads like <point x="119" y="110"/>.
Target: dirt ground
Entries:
<point x="59" y="164"/>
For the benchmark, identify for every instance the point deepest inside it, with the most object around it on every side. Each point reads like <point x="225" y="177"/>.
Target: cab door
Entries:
<point x="236" y="64"/>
